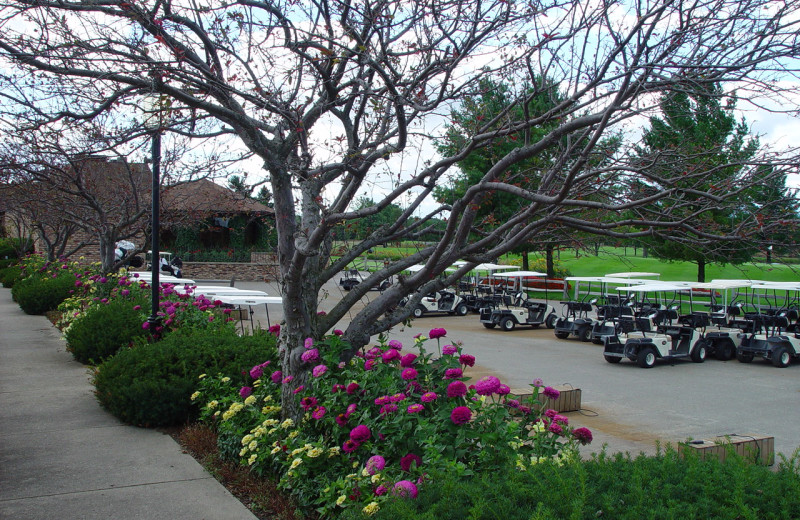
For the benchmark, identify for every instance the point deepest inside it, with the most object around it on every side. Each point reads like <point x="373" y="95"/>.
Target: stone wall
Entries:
<point x="253" y="272"/>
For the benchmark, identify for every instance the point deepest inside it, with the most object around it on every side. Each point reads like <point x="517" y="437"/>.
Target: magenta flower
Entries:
<point x="287" y="380"/>
<point x="318" y="413"/>
<point x="388" y="408"/>
<point x="276" y="376"/>
<point x="512" y="403"/>
<point x="319" y="370"/>
<point x="456" y="389"/>
<point x="460" y="415"/>
<point x="467" y="360"/>
<point x="556" y="428"/>
<point x="352" y="388"/>
<point x="359" y="434"/>
<point x="382" y="400"/>
<point x="487" y="385"/>
<point x="298" y="389"/>
<point x="350" y="409"/>
<point x="373" y="353"/>
<point x="453" y="373"/>
<point x="274" y="329"/>
<point x="551" y="392"/>
<point x="560" y="419"/>
<point x="405" y="489"/>
<point x="415" y="408"/>
<point x="550" y="413"/>
<point x="538" y="383"/>
<point x="396" y="398"/>
<point x="341" y="419"/>
<point x="408" y="360"/>
<point x="145" y="325"/>
<point x="309" y="356"/>
<point x="309" y="342"/>
<point x="375" y="464"/>
<point x="256" y="372"/>
<point x="503" y="390"/>
<point x="137" y="307"/>
<point x="437" y="333"/>
<point x="349" y="446"/>
<point x="583" y="435"/>
<point x="369" y="364"/>
<point x="409" y="374"/>
<point x="429" y="397"/>
<point x="337" y="388"/>
<point x="380" y="490"/>
<point x="245" y="391"/>
<point x="408" y="460"/>
<point x="308" y="403"/>
<point x="338" y="332"/>
<point x="390" y="355"/>
<point x="395" y="345"/>
<point x="449" y="350"/>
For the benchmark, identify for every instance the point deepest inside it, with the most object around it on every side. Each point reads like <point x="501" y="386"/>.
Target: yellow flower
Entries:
<point x="520" y="465"/>
<point x="225" y="379"/>
<point x="227" y="415"/>
<point x="213" y="404"/>
<point x="195" y="396"/>
<point x="314" y="452"/>
<point x="251" y="399"/>
<point x="371" y="508"/>
<point x="297" y="451"/>
<point x="293" y="434"/>
<point x="295" y="463"/>
<point x="253" y="445"/>
<point x="256" y="383"/>
<point x="252" y="459"/>
<point x="375" y="478"/>
<point x="334" y="451"/>
<point x="341" y="500"/>
<point x="201" y="376"/>
<point x="275" y="450"/>
<point x="243" y="452"/>
<point x="267" y="398"/>
<point x="365" y="472"/>
<point x="288" y="423"/>
<point x="418" y="339"/>
<point x="247" y="439"/>
<point x="269" y="423"/>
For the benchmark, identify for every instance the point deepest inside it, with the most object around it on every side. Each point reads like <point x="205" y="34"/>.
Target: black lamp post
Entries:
<point x="154" y="124"/>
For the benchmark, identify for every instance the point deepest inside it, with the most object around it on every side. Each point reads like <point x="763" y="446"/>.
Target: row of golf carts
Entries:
<point x="646" y="320"/>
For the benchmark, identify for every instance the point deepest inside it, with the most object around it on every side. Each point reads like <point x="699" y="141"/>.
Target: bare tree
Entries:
<point x="336" y="96"/>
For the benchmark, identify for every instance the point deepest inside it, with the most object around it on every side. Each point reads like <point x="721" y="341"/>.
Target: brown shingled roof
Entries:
<point x="205" y="196"/>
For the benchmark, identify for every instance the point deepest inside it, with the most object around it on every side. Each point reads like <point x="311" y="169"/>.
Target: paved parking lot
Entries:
<point x="627" y="407"/>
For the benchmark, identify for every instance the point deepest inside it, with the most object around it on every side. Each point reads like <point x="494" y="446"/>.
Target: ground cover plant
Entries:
<point x="378" y="425"/>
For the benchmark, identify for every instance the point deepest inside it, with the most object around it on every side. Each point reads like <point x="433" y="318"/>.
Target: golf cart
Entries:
<point x="575" y="318"/>
<point x="723" y="336"/>
<point x="629" y="312"/>
<point x="523" y="311"/>
<point x="444" y="301"/>
<point x="775" y="336"/>
<point x="668" y="341"/>
<point x="352" y="277"/>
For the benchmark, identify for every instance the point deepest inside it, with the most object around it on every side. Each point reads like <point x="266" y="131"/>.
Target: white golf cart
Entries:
<point x="668" y="341"/>
<point x="444" y="301"/>
<point x="723" y="336"/>
<point x="775" y="336"/>
<point x="352" y="277"/>
<point x="523" y="311"/>
<point x="575" y="318"/>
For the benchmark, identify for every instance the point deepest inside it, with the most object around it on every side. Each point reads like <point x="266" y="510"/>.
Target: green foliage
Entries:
<point x="103" y="329"/>
<point x="40" y="293"/>
<point x="10" y="275"/>
<point x="151" y="384"/>
<point x="618" y="487"/>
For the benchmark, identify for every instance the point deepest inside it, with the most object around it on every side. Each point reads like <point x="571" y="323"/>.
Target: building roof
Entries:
<point x="205" y="196"/>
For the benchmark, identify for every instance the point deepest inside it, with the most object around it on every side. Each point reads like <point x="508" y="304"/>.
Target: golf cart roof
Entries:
<point x="633" y="275"/>
<point x="778" y="286"/>
<point x="655" y="287"/>
<point x="723" y="284"/>
<point x="522" y="274"/>
<point x="493" y="267"/>
<point x="587" y="279"/>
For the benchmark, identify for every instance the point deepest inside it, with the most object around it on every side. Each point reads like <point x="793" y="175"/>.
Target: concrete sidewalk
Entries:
<point x="62" y="456"/>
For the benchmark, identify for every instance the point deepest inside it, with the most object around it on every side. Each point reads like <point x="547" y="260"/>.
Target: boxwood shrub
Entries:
<point x="10" y="275"/>
<point x="41" y="293"/>
<point x="103" y="329"/>
<point x="618" y="487"/>
<point x="151" y="384"/>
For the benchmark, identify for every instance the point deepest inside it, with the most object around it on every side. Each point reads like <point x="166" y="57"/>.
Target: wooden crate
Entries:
<point x="569" y="399"/>
<point x="755" y="448"/>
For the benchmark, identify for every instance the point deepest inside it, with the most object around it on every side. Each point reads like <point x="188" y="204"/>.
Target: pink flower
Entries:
<point x="337" y="388"/>
<point x="308" y="403"/>
<point x="396" y="398"/>
<point x="460" y="415"/>
<point x="349" y="446"/>
<point x="274" y="329"/>
<point x="408" y="360"/>
<point x="352" y="388"/>
<point x="560" y="419"/>
<point x="550" y="413"/>
<point x="309" y="356"/>
<point x="388" y="408"/>
<point x="137" y="307"/>
<point x="453" y="373"/>
<point x="467" y="360"/>
<point x="309" y="342"/>
<point x="382" y="400"/>
<point x="449" y="350"/>
<point x="256" y="372"/>
<point x="390" y="355"/>
<point x="556" y="428"/>
<point x="415" y="408"/>
<point x="369" y="364"/>
<point x="583" y="435"/>
<point x="145" y="325"/>
<point x="437" y="333"/>
<point x="350" y="409"/>
<point x="408" y="460"/>
<point x="551" y="392"/>
<point x="380" y="490"/>
<point x="373" y="353"/>
<point x="245" y="391"/>
<point x="276" y="376"/>
<point x="338" y="332"/>
<point x="405" y="489"/>
<point x="487" y="385"/>
<point x="319" y="370"/>
<point x="456" y="389"/>
<point x="395" y="345"/>
<point x="375" y="464"/>
<point x="429" y="397"/>
<point x="359" y="434"/>
<point x="409" y="374"/>
<point x="512" y="403"/>
<point x="287" y="379"/>
<point x="538" y="383"/>
<point x="318" y="413"/>
<point x="503" y="390"/>
<point x="341" y="420"/>
<point x="298" y="389"/>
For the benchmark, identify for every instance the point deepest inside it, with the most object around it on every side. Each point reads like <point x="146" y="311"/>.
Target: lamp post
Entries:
<point x="155" y="124"/>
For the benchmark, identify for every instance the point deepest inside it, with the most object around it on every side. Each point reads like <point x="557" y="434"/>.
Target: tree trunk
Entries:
<point x="701" y="271"/>
<point x="107" y="243"/>
<point x="525" y="263"/>
<point x="551" y="270"/>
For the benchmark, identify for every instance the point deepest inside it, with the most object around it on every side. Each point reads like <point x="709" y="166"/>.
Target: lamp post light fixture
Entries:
<point x="157" y="111"/>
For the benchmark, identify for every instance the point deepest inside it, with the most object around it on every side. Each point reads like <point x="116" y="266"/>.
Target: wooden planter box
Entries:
<point x="759" y="449"/>
<point x="569" y="399"/>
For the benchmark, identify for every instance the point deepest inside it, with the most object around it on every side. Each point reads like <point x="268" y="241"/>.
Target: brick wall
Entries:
<point x="225" y="271"/>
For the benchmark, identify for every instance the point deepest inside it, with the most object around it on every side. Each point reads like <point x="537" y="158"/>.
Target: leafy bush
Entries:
<point x="103" y="329"/>
<point x="381" y="422"/>
<point x="619" y="487"/>
<point x="10" y="275"/>
<point x="151" y="384"/>
<point x="38" y="294"/>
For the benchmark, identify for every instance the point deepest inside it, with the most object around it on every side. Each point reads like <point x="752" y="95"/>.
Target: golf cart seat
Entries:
<point x="627" y="325"/>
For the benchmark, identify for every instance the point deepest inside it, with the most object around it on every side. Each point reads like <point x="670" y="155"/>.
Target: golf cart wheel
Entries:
<point x="462" y="310"/>
<point x="612" y="359"/>
<point x="726" y="351"/>
<point x="781" y="357"/>
<point x="698" y="354"/>
<point x="419" y="310"/>
<point x="744" y="357"/>
<point x="646" y="357"/>
<point x="585" y="334"/>
<point x="550" y="321"/>
<point x="560" y="334"/>
<point x="507" y="324"/>
<point x="597" y="341"/>
<point x="489" y="325"/>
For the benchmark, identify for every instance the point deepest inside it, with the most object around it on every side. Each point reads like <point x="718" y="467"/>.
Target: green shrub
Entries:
<point x="10" y="275"/>
<point x="664" y="486"/>
<point x="103" y="329"/>
<point x="41" y="293"/>
<point x="151" y="384"/>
